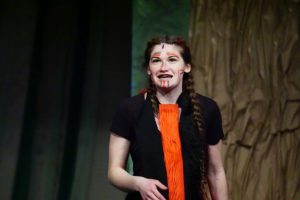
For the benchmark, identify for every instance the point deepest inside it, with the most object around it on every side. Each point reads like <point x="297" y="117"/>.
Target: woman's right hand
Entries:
<point x="148" y="188"/>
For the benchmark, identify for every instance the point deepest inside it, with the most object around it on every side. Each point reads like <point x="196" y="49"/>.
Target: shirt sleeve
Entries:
<point x="121" y="124"/>
<point x="214" y="129"/>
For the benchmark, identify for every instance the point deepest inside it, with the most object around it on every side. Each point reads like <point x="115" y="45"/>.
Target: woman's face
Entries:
<point x="166" y="67"/>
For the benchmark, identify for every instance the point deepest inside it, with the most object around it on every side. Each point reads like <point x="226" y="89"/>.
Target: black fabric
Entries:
<point x="134" y="120"/>
<point x="129" y="109"/>
<point x="58" y="69"/>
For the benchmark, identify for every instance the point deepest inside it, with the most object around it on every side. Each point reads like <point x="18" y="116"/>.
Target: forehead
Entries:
<point x="166" y="48"/>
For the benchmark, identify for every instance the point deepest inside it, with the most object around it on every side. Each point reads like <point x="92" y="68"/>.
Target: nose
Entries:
<point x="163" y="66"/>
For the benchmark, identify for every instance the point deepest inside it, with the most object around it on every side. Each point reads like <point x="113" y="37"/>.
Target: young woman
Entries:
<point x="172" y="133"/>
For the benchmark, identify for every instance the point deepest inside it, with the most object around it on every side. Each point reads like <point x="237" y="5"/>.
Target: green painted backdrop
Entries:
<point x="150" y="19"/>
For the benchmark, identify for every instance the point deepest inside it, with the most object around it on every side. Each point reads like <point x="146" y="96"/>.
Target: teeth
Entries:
<point x="165" y="76"/>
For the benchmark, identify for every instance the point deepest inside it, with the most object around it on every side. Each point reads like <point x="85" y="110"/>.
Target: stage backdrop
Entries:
<point x="65" y="66"/>
<point x="246" y="55"/>
<point x="152" y="19"/>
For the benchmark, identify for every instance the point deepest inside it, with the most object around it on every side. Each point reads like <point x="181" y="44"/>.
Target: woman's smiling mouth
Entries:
<point x="163" y="76"/>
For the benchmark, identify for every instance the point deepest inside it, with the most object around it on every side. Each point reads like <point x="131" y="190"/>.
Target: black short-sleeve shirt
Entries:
<point x="134" y="121"/>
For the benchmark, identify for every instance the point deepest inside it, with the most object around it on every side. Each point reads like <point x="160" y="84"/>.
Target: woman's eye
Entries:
<point x="172" y="59"/>
<point x="155" y="60"/>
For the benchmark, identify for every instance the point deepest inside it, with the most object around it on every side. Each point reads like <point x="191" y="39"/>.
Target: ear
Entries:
<point x="148" y="71"/>
<point x="187" y="68"/>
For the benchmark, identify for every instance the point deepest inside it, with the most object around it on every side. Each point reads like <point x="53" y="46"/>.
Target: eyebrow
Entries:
<point x="172" y="54"/>
<point x="169" y="54"/>
<point x="155" y="55"/>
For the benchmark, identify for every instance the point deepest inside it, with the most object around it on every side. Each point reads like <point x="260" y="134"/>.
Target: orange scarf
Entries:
<point x="168" y="119"/>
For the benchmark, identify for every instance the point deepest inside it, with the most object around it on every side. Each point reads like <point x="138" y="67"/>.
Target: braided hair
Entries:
<point x="188" y="86"/>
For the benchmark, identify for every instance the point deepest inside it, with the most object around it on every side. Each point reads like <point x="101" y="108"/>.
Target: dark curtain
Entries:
<point x="64" y="67"/>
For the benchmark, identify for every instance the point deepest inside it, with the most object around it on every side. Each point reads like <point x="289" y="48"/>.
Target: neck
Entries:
<point x="168" y="96"/>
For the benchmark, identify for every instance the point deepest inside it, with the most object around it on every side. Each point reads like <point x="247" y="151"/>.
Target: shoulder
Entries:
<point x="131" y="106"/>
<point x="132" y="101"/>
<point x="209" y="107"/>
<point x="125" y="116"/>
<point x="207" y="102"/>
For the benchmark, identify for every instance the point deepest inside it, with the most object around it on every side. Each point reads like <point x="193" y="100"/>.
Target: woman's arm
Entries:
<point x="118" y="154"/>
<point x="216" y="174"/>
<point x="120" y="178"/>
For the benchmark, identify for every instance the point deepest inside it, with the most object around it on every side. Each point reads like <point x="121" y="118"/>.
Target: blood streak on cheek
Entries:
<point x="164" y="83"/>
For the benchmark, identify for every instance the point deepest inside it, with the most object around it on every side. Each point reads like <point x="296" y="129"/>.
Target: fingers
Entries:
<point x="160" y="185"/>
<point x="149" y="189"/>
<point x="152" y="196"/>
<point x="158" y="195"/>
<point x="155" y="195"/>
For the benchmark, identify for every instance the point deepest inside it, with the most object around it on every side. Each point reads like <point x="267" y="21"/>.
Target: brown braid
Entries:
<point x="152" y="96"/>
<point x="188" y="86"/>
